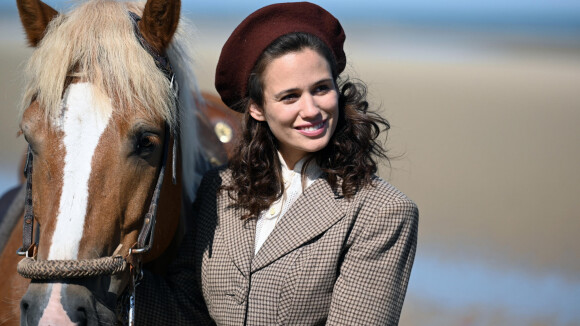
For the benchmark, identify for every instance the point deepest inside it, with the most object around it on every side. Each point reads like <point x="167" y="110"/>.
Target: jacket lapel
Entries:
<point x="314" y="212"/>
<point x="238" y="236"/>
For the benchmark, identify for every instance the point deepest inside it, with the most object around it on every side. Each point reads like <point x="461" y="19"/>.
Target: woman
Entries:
<point x="298" y="229"/>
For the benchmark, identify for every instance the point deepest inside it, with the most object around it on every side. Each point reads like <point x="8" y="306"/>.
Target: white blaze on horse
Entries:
<point x="102" y="118"/>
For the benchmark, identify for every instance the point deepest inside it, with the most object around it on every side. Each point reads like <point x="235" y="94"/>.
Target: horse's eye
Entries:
<point x="146" y="143"/>
<point x="30" y="142"/>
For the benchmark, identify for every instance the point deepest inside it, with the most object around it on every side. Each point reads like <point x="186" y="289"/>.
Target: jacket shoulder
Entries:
<point x="384" y="193"/>
<point x="381" y="206"/>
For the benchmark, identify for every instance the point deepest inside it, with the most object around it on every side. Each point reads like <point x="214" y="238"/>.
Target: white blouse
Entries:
<point x="293" y="188"/>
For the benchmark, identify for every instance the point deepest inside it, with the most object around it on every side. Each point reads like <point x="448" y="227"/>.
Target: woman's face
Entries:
<point x="300" y="103"/>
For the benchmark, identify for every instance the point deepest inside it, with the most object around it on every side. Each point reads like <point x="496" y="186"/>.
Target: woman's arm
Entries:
<point x="175" y="298"/>
<point x="373" y="277"/>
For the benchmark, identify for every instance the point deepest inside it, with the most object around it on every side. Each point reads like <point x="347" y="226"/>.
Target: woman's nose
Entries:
<point x="309" y="108"/>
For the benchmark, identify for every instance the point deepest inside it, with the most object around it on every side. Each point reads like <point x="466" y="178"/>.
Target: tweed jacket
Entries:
<point x="329" y="261"/>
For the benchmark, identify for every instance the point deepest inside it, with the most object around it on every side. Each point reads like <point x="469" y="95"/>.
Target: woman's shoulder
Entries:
<point x="380" y="204"/>
<point x="382" y="193"/>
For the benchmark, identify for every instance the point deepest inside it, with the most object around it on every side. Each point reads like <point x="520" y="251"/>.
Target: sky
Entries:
<point x="532" y="13"/>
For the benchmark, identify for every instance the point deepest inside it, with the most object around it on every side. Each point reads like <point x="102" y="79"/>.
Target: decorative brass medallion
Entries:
<point x="223" y="131"/>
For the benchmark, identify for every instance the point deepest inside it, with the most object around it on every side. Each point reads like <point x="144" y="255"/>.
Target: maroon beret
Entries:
<point x="243" y="48"/>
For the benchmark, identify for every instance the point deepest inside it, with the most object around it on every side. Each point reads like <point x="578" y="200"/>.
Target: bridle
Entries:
<point x="34" y="269"/>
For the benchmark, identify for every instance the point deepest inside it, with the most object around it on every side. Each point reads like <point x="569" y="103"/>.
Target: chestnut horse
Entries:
<point x="104" y="119"/>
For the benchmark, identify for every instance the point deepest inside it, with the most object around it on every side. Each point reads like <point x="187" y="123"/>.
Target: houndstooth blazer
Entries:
<point x="329" y="261"/>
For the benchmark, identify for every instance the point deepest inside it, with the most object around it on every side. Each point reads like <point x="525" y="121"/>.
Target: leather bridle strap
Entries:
<point x="145" y="239"/>
<point x="28" y="247"/>
<point x="162" y="62"/>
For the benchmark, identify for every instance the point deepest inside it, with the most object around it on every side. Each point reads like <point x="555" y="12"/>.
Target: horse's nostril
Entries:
<point x="24" y="313"/>
<point x="23" y="306"/>
<point x="81" y="316"/>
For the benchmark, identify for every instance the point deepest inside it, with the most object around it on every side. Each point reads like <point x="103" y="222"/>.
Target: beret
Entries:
<point x="255" y="33"/>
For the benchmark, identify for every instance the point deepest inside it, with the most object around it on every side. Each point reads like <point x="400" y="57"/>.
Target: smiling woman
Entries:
<point x="297" y="229"/>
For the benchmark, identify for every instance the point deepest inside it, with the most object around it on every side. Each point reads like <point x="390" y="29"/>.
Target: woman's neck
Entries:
<point x="291" y="162"/>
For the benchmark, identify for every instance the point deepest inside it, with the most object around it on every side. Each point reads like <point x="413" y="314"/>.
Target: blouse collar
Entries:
<point x="311" y="173"/>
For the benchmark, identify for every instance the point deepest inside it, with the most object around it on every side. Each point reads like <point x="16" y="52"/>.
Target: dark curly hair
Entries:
<point x="348" y="160"/>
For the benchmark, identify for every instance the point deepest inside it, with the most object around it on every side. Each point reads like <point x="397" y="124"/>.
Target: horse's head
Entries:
<point x="99" y="117"/>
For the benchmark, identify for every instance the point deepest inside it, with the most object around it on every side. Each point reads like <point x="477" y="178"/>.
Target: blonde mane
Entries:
<point x="96" y="43"/>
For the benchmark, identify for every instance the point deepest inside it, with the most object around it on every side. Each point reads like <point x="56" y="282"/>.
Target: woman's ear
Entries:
<point x="256" y="112"/>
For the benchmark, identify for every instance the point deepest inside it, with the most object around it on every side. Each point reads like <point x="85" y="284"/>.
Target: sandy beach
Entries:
<point x="484" y="139"/>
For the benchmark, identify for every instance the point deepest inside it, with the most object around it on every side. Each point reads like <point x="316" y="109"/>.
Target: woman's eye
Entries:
<point x="321" y="89"/>
<point x="289" y="98"/>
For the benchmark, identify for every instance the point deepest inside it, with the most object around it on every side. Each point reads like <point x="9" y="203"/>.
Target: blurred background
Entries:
<point x="484" y="102"/>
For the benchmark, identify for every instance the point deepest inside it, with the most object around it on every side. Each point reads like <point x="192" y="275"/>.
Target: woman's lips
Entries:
<point x="313" y="129"/>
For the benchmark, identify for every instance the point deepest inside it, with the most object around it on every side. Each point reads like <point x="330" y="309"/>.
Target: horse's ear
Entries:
<point x="35" y="16"/>
<point x="159" y="22"/>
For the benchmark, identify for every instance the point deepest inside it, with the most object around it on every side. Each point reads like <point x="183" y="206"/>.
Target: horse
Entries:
<point x="119" y="137"/>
